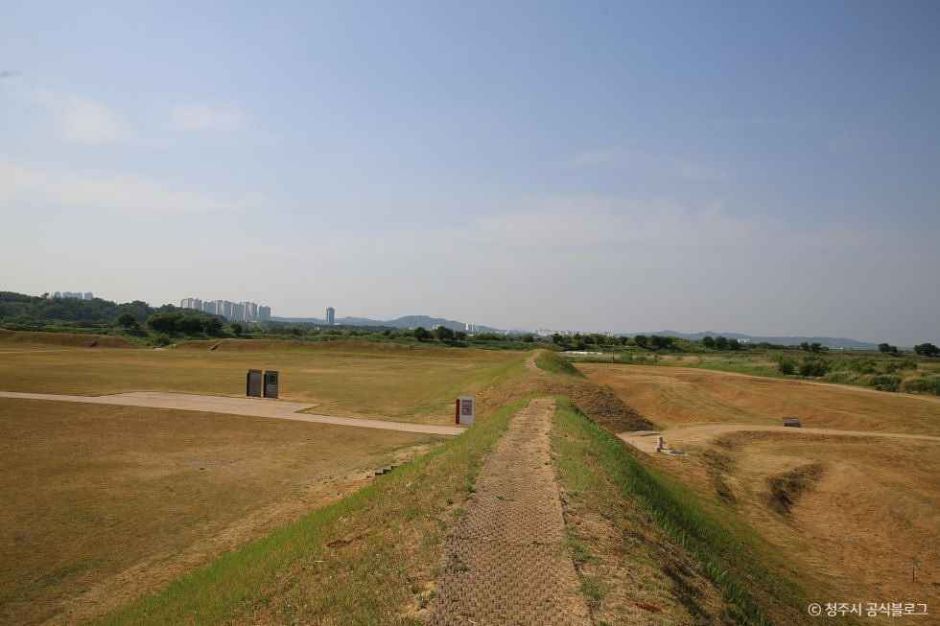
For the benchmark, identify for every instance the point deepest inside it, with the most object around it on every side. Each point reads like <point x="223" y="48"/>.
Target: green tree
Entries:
<point x="721" y="342"/>
<point x="421" y="334"/>
<point x="442" y="333"/>
<point x="708" y="342"/>
<point x="237" y="329"/>
<point x="641" y="340"/>
<point x="887" y="348"/>
<point x="127" y="320"/>
<point x="927" y="349"/>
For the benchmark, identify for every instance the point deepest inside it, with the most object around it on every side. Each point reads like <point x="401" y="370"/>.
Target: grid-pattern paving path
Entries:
<point x="506" y="562"/>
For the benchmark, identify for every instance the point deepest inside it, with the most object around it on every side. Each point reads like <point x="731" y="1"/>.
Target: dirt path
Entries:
<point x="506" y="562"/>
<point x="646" y="440"/>
<point x="253" y="407"/>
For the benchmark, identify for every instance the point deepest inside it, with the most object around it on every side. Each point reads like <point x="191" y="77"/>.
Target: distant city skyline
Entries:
<point x="236" y="311"/>
<point x="74" y="295"/>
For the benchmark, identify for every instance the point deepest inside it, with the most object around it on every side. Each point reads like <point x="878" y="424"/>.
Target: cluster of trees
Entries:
<point x="814" y="347"/>
<point x="927" y="349"/>
<point x="579" y="341"/>
<point x="186" y="322"/>
<point x="33" y="310"/>
<point x="655" y="342"/>
<point x="721" y="343"/>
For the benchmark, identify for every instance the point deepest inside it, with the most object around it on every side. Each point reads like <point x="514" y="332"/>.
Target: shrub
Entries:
<point x="786" y="365"/>
<point x="925" y="384"/>
<point x="813" y="367"/>
<point x="885" y="382"/>
<point x="843" y="377"/>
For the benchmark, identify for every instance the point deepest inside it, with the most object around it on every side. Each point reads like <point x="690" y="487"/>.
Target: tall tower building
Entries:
<point x="330" y="316"/>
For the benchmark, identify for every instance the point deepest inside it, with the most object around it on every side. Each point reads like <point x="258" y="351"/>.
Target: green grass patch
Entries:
<point x="362" y="560"/>
<point x="552" y="362"/>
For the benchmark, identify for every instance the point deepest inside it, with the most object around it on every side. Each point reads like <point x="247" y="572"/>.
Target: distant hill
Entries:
<point x="831" y="342"/>
<point x="406" y="321"/>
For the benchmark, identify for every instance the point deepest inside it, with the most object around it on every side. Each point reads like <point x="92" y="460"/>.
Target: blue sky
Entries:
<point x="771" y="168"/>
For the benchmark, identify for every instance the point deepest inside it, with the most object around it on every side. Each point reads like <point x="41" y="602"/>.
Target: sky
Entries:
<point x="757" y="167"/>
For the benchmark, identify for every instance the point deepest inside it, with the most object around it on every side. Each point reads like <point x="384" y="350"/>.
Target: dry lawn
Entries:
<point x="102" y="503"/>
<point x="848" y="513"/>
<point x="678" y="396"/>
<point x="862" y="513"/>
<point x="357" y="380"/>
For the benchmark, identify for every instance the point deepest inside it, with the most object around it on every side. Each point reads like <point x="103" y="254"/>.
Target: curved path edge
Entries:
<point x="250" y="407"/>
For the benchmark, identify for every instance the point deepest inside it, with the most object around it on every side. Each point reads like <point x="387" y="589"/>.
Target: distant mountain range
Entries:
<point x="425" y="321"/>
<point x="406" y="321"/>
<point x="831" y="342"/>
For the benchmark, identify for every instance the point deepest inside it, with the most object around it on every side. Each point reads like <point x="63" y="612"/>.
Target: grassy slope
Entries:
<point x="367" y="559"/>
<point x="728" y="553"/>
<point x="552" y="362"/>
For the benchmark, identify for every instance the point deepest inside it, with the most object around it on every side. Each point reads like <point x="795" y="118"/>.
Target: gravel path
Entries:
<point x="646" y="440"/>
<point x="254" y="407"/>
<point x="506" y="562"/>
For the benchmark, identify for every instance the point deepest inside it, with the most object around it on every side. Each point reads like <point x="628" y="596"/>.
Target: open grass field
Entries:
<point x="344" y="379"/>
<point x="676" y="396"/>
<point x="102" y="503"/>
<point x="851" y="514"/>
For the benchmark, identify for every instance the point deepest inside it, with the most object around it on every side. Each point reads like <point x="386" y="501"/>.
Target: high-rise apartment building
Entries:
<point x="330" y="315"/>
<point x="240" y="312"/>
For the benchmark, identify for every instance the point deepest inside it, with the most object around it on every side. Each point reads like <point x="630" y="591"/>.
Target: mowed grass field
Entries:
<point x="345" y="379"/>
<point x="853" y="515"/>
<point x="677" y="396"/>
<point x="101" y="503"/>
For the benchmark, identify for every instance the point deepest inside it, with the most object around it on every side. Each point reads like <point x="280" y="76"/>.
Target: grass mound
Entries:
<point x="786" y="488"/>
<point x="552" y="362"/>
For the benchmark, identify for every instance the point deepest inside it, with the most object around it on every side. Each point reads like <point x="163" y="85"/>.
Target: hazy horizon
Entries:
<point x="768" y="170"/>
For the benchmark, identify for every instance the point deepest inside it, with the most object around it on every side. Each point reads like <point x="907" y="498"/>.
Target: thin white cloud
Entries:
<point x="662" y="165"/>
<point x="83" y="120"/>
<point x="206" y="117"/>
<point x="26" y="188"/>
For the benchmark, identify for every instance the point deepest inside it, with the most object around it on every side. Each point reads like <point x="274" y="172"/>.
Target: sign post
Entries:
<point x="253" y="384"/>
<point x="270" y="384"/>
<point x="464" y="411"/>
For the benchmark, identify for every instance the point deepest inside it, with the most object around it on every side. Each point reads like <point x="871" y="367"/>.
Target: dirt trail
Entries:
<point x="646" y="440"/>
<point x="506" y="562"/>
<point x="253" y="407"/>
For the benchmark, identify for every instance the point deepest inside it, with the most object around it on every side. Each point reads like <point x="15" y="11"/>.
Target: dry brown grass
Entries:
<point x="15" y="340"/>
<point x="102" y="503"/>
<point x="867" y="508"/>
<point x="357" y="380"/>
<point x="858" y="509"/>
<point x="676" y="396"/>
